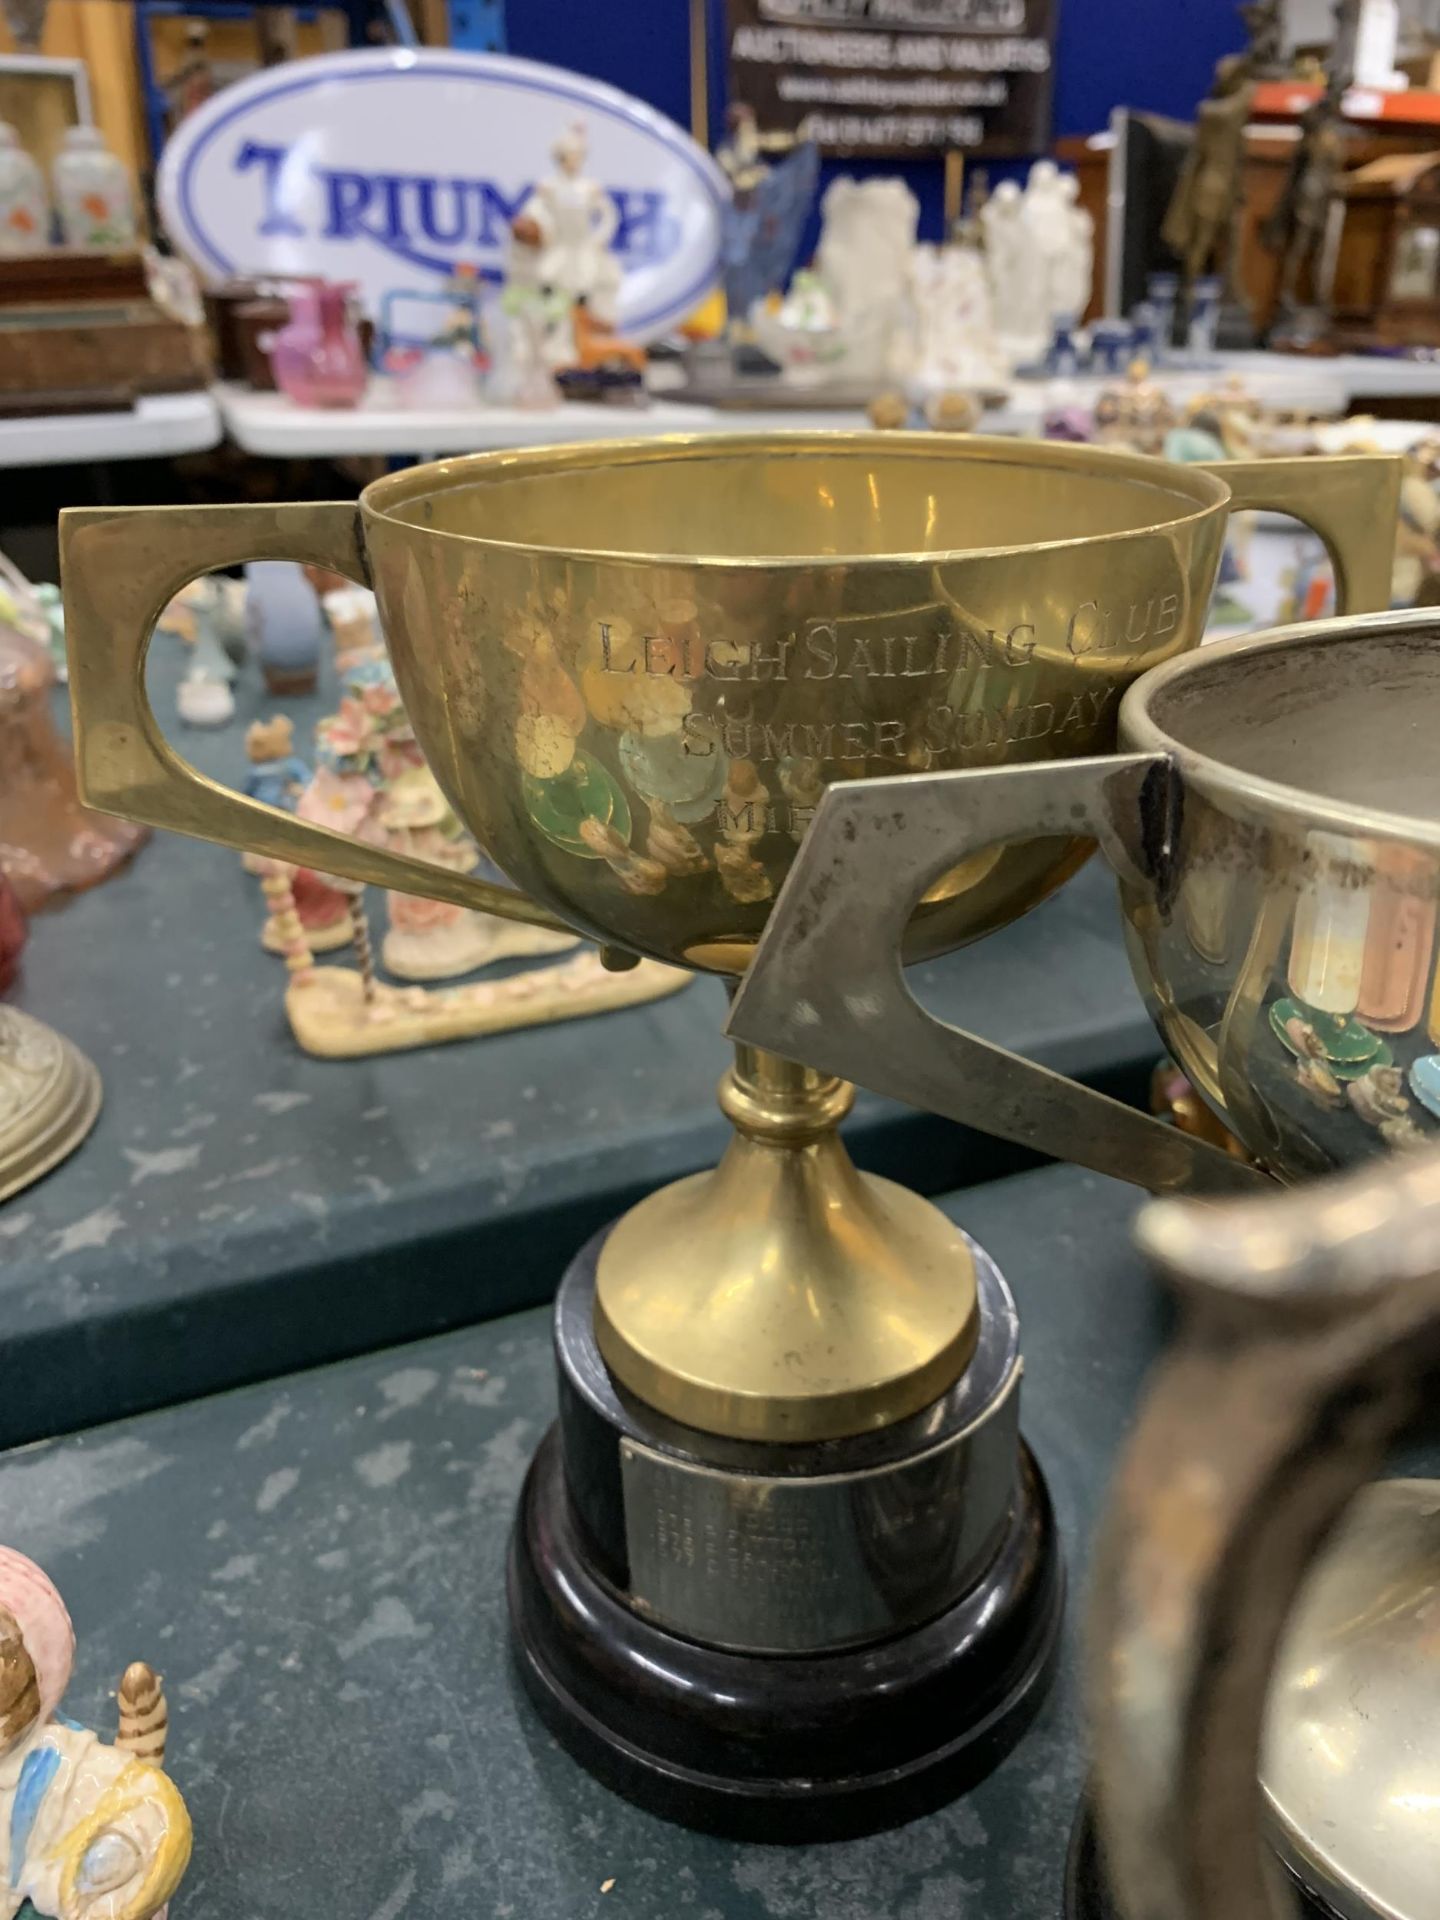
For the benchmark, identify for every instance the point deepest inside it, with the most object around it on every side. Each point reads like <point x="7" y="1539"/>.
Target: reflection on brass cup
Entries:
<point x="788" y="1391"/>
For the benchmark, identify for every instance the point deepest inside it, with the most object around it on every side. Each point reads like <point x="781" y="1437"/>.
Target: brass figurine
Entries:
<point x="1201" y="223"/>
<point x="1296" y="229"/>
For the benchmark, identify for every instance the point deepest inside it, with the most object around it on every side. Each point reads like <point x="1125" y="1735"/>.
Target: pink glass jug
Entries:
<point x="317" y="357"/>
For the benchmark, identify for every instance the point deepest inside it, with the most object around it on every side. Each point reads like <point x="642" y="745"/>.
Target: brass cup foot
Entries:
<point x="785" y="1296"/>
<point x="49" y="1099"/>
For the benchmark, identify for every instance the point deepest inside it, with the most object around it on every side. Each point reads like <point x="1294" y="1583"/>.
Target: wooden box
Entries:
<point x="81" y="330"/>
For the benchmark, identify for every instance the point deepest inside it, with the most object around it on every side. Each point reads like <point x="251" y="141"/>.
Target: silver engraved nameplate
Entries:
<point x="791" y="1564"/>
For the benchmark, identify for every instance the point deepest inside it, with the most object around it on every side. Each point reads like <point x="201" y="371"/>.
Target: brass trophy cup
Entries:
<point x="783" y="1566"/>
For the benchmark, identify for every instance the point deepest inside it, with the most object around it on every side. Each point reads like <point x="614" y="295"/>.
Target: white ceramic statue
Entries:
<point x="576" y="219"/>
<point x="1074" y="270"/>
<point x="1063" y="237"/>
<point x="862" y="267"/>
<point x="956" y="343"/>
<point x="1017" y="276"/>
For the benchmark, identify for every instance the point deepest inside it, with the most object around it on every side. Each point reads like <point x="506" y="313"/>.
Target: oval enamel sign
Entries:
<point x="392" y="168"/>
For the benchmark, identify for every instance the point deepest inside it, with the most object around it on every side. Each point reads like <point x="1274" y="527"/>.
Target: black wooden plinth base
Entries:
<point x="781" y="1747"/>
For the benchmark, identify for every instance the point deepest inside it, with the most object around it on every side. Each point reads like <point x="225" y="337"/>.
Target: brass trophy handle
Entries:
<point x="1309" y="1345"/>
<point x="884" y="842"/>
<point x="120" y="567"/>
<point x="1352" y="500"/>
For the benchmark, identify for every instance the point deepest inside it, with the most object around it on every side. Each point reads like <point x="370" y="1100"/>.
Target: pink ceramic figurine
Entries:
<point x="316" y="357"/>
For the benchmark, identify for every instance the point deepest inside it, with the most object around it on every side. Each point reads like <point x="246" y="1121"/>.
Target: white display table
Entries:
<point x="268" y="423"/>
<point x="157" y="426"/>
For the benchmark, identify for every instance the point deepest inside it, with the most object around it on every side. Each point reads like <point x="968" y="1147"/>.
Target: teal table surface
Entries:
<point x="316" y="1564"/>
<point x="243" y="1209"/>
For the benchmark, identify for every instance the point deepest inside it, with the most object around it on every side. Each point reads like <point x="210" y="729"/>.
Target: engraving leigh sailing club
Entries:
<point x="856" y="654"/>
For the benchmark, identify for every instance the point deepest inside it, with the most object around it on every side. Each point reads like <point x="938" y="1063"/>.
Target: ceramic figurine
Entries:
<point x="1137" y="414"/>
<point x="1417" y="538"/>
<point x="24" y="209"/>
<point x="429" y="939"/>
<point x="576" y="220"/>
<point x="93" y="196"/>
<point x="321" y="910"/>
<point x="1062" y="356"/>
<point x="354" y="620"/>
<point x="284" y="623"/>
<point x="277" y="776"/>
<point x="1017" y="276"/>
<point x="867" y="238"/>
<point x="801" y="331"/>
<point x="1061" y="235"/>
<point x="850" y="316"/>
<point x="606" y="366"/>
<point x="1069" y="423"/>
<point x="741" y="154"/>
<point x="219" y="601"/>
<point x="50" y="845"/>
<point x="445" y="365"/>
<point x="1205" y="295"/>
<point x="91" y="1829"/>
<point x="1112" y="346"/>
<point x="316" y="356"/>
<point x="771" y="202"/>
<point x="203" y="697"/>
<point x="956" y="341"/>
<point x="1162" y="295"/>
<point x="538" y="335"/>
<point x="372" y="781"/>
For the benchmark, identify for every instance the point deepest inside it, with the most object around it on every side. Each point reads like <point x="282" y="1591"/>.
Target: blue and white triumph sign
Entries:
<point x="394" y="168"/>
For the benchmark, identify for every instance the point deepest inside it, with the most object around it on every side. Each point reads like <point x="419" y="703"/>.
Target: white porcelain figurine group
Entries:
<point x="880" y="306"/>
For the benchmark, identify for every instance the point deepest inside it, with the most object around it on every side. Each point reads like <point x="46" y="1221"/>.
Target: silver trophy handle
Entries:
<point x="875" y="845"/>
<point x="1310" y="1344"/>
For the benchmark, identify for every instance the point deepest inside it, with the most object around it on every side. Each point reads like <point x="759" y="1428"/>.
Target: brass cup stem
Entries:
<point x="785" y="1296"/>
<point x="767" y="1097"/>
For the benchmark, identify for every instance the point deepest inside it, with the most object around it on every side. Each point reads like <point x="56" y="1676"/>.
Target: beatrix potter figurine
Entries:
<point x="277" y="776"/>
<point x="93" y="1832"/>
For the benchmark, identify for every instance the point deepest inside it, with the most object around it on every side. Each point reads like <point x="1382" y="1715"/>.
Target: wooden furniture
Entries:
<point x="1386" y="286"/>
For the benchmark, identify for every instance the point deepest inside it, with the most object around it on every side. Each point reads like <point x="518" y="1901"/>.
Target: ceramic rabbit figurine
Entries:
<point x="88" y="1831"/>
